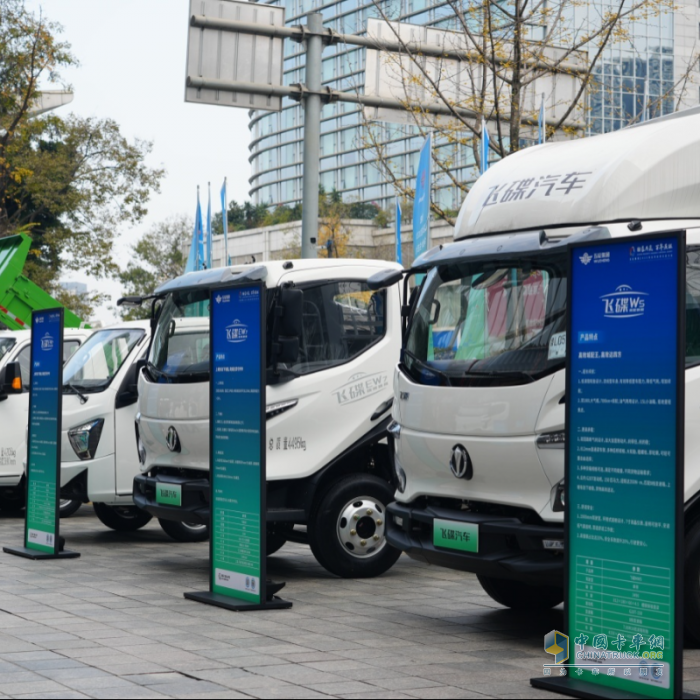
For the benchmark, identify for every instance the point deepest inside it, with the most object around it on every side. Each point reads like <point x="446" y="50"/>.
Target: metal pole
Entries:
<point x="312" y="137"/>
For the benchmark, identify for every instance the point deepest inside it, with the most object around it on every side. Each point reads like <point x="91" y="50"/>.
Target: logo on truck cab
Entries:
<point x="361" y="386"/>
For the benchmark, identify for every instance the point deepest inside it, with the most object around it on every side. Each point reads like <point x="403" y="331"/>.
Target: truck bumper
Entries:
<point x="195" y="506"/>
<point x="508" y="547"/>
<point x="195" y="498"/>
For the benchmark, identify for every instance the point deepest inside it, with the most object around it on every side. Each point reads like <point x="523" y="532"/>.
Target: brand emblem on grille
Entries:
<point x="461" y="463"/>
<point x="173" y="440"/>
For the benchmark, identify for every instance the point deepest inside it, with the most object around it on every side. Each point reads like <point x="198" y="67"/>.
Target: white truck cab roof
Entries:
<point x="270" y="272"/>
<point x="646" y="172"/>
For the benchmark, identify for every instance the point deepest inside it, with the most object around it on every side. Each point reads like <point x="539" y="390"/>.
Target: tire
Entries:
<point x="12" y="500"/>
<point x="122" y="518"/>
<point x="356" y="504"/>
<point x="691" y="585"/>
<point x="185" y="532"/>
<point x="521" y="596"/>
<point x="276" y="536"/>
<point x="68" y="507"/>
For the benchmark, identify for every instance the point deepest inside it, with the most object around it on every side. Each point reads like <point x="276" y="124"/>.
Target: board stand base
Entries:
<point x="236" y="604"/>
<point x="34" y="554"/>
<point x="575" y="688"/>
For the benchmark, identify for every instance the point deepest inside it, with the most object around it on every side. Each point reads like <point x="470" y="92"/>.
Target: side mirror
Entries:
<point x="384" y="279"/>
<point x="128" y="393"/>
<point x="288" y="326"/>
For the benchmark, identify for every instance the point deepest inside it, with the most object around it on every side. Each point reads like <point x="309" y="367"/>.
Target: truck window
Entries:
<point x="6" y="344"/>
<point x="488" y="321"/>
<point x="692" y="307"/>
<point x="69" y="348"/>
<point x="341" y="320"/>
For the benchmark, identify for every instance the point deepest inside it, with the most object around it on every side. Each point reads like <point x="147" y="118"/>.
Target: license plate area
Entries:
<point x="169" y="494"/>
<point x="450" y="534"/>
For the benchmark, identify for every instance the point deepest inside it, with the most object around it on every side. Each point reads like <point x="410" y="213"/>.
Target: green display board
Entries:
<point x="43" y="478"/>
<point x="237" y="451"/>
<point x="624" y="469"/>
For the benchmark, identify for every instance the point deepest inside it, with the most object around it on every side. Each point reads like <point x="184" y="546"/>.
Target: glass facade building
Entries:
<point x="635" y="72"/>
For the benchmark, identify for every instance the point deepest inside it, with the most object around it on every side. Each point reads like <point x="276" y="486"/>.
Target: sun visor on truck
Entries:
<point x="512" y="245"/>
<point x="206" y="279"/>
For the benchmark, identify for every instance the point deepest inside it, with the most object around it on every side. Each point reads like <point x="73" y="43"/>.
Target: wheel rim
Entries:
<point x="361" y="527"/>
<point x="194" y="527"/>
<point x="65" y="502"/>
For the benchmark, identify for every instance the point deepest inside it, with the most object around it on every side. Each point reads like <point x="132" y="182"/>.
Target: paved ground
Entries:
<point x="114" y="623"/>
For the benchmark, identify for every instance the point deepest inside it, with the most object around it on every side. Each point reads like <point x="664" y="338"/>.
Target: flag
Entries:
<point x="399" y="257"/>
<point x="192" y="257"/>
<point x="195" y="256"/>
<point x="484" y="146"/>
<point x="645" y="99"/>
<point x="199" y="234"/>
<point x="541" y="124"/>
<point x="224" y="221"/>
<point x="209" y="235"/>
<point x="421" y="204"/>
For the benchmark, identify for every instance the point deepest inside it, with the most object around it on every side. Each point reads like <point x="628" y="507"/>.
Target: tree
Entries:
<point x="160" y="255"/>
<point x="510" y="53"/>
<point x="70" y="183"/>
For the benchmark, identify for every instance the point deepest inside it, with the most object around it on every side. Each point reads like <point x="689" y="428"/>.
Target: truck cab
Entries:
<point x="98" y="451"/>
<point x="479" y="412"/>
<point x="15" y="354"/>
<point x="329" y="476"/>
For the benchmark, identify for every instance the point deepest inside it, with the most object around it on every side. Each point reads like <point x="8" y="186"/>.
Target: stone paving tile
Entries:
<point x="112" y="624"/>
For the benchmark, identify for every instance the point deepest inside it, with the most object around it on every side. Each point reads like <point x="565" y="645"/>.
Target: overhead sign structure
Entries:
<point x="41" y="532"/>
<point x="237" y="452"/>
<point x="624" y="470"/>
<point x="235" y="56"/>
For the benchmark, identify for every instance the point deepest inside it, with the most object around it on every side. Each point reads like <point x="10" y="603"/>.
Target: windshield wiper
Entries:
<point x="508" y="374"/>
<point x="74" y="390"/>
<point x="427" y="368"/>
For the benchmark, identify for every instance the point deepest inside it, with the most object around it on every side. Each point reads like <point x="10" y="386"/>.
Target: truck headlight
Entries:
<point x="85" y="438"/>
<point x="400" y="475"/>
<point x="557" y="497"/>
<point x="140" y="447"/>
<point x="552" y="441"/>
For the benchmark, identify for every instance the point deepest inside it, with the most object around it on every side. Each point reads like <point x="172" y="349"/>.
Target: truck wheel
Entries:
<point x="68" y="507"/>
<point x="121" y="518"/>
<point x="12" y="499"/>
<point x="692" y="585"/>
<point x="185" y="532"/>
<point x="521" y="596"/>
<point x="347" y="529"/>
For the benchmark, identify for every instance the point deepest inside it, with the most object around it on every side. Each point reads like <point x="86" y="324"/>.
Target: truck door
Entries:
<point x="342" y="375"/>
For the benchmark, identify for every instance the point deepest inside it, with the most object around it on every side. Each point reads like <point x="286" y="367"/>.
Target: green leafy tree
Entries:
<point x="160" y="255"/>
<point x="73" y="182"/>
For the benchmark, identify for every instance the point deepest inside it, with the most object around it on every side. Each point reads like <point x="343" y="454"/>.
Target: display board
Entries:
<point x="237" y="454"/>
<point x="624" y="468"/>
<point x="43" y="477"/>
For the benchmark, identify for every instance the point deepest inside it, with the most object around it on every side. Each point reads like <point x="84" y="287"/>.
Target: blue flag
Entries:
<point x="399" y="256"/>
<point x="209" y="235"/>
<point x="224" y="221"/>
<point x="485" y="140"/>
<point x="199" y="233"/>
<point x="421" y="204"/>
<point x="192" y="257"/>
<point x="541" y="124"/>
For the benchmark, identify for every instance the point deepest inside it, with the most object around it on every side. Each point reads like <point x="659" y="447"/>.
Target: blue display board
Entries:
<point x="624" y="467"/>
<point x="43" y="479"/>
<point x="237" y="454"/>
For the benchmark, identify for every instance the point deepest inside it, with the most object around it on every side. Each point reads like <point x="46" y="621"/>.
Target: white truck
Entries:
<point x="15" y="362"/>
<point x="480" y="390"/>
<point x="328" y="405"/>
<point x="98" y="451"/>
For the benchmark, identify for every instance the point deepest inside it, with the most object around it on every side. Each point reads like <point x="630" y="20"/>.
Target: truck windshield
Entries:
<point x="6" y="344"/>
<point x="98" y="360"/>
<point x="180" y="350"/>
<point x="493" y="322"/>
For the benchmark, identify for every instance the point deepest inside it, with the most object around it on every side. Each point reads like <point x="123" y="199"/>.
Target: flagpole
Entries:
<point x="209" y="234"/>
<point x="197" y="217"/>
<point x="224" y="216"/>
